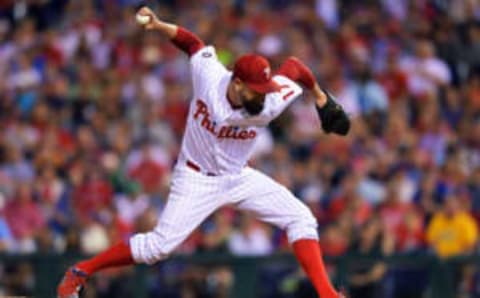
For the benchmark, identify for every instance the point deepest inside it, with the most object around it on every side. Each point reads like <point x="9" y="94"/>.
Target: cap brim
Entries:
<point x="268" y="87"/>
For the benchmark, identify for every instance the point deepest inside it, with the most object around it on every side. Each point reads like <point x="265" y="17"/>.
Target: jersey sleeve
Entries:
<point x="277" y="102"/>
<point x="206" y="69"/>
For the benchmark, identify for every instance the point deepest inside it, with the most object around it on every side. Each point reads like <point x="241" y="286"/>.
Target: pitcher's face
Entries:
<point x="252" y="101"/>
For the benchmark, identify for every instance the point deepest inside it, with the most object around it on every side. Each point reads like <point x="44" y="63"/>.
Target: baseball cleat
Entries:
<point x="72" y="283"/>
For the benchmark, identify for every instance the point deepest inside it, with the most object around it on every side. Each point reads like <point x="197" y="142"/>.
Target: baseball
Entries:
<point x="142" y="19"/>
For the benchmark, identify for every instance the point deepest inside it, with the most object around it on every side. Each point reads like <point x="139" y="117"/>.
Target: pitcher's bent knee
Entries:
<point x="302" y="227"/>
<point x="149" y="248"/>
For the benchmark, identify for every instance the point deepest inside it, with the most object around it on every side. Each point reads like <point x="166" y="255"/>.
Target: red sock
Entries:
<point x="309" y="256"/>
<point x="117" y="255"/>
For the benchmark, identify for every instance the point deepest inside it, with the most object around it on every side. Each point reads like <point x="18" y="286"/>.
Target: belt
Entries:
<point x="197" y="168"/>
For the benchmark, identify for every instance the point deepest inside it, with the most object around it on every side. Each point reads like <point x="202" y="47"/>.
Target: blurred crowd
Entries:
<point x="92" y="111"/>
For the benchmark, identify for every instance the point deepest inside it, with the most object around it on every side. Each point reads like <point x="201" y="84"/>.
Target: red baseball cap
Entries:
<point x="255" y="72"/>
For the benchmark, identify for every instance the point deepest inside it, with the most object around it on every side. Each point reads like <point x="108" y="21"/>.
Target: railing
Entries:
<point x="439" y="275"/>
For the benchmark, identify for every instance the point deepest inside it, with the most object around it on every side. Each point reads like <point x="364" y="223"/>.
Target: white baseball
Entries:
<point x="142" y="20"/>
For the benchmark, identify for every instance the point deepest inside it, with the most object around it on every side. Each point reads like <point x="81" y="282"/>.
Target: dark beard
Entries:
<point x="253" y="107"/>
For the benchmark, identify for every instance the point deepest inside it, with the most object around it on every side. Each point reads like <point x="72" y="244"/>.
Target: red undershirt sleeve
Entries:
<point x="296" y="71"/>
<point x="187" y="41"/>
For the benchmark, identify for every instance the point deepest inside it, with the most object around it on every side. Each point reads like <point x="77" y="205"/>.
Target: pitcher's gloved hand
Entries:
<point x="333" y="117"/>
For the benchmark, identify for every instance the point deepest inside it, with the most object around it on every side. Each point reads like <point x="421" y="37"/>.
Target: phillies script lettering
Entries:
<point x="225" y="132"/>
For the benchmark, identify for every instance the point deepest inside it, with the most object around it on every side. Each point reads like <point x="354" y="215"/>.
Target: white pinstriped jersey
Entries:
<point x="217" y="138"/>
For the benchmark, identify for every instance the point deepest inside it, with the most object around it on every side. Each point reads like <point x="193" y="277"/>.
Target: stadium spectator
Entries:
<point x="365" y="278"/>
<point x="25" y="218"/>
<point x="452" y="231"/>
<point x="426" y="73"/>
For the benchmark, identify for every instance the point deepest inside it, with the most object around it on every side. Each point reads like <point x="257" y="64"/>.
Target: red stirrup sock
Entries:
<point x="117" y="255"/>
<point x="309" y="255"/>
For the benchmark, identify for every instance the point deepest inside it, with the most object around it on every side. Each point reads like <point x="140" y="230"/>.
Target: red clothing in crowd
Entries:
<point x="24" y="218"/>
<point x="175" y="112"/>
<point x="409" y="237"/>
<point x="360" y="208"/>
<point x="395" y="84"/>
<point x="149" y="174"/>
<point x="91" y="196"/>
<point x="393" y="214"/>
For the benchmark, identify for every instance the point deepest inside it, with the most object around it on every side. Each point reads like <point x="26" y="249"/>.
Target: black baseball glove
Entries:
<point x="333" y="117"/>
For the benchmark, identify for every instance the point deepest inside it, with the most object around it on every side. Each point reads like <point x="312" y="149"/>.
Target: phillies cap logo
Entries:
<point x="266" y="71"/>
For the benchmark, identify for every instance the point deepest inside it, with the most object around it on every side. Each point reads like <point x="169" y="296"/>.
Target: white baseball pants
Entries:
<point x="195" y="196"/>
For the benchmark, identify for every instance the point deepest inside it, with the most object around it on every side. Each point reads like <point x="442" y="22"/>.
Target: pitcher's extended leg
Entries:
<point x="275" y="204"/>
<point x="193" y="197"/>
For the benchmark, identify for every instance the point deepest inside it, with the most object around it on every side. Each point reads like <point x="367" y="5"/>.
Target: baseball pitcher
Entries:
<point x="226" y="111"/>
